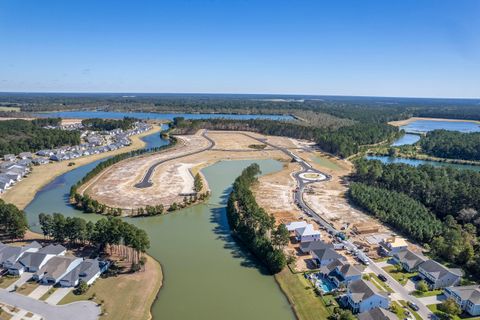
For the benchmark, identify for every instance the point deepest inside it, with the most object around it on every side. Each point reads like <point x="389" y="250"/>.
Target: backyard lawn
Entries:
<point x="401" y="276"/>
<point x="307" y="305"/>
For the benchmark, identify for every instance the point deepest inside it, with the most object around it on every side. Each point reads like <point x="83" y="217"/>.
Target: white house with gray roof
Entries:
<point x="363" y="296"/>
<point x="9" y="255"/>
<point x="341" y="272"/>
<point x="307" y="233"/>
<point x="323" y="257"/>
<point x="87" y="271"/>
<point x="56" y="268"/>
<point x="438" y="276"/>
<point x="409" y="259"/>
<point x="467" y="297"/>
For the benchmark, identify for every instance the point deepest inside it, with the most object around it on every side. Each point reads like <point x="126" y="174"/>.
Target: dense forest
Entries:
<point x="97" y="124"/>
<point x="22" y="135"/>
<point x="452" y="195"/>
<point x="253" y="226"/>
<point x="452" y="144"/>
<point x="397" y="210"/>
<point x="342" y="142"/>
<point x="13" y="222"/>
<point x="363" y="109"/>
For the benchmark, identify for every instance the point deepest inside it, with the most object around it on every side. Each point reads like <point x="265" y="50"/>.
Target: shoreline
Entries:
<point x="400" y="123"/>
<point x="24" y="191"/>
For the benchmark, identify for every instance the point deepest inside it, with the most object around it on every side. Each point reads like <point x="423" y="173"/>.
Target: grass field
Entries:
<point x="401" y="277"/>
<point x="48" y="294"/>
<point x="307" y="305"/>
<point x="126" y="296"/>
<point x="420" y="294"/>
<point x="7" y="280"/>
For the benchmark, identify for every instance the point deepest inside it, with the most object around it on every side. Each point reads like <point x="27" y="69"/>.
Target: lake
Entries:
<point x="206" y="274"/>
<point x="415" y="162"/>
<point x="161" y="116"/>
<point x="421" y="126"/>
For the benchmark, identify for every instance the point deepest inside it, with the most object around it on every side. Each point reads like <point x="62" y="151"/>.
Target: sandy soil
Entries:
<point x="274" y="193"/>
<point x="172" y="178"/>
<point x="24" y="191"/>
<point x="66" y="122"/>
<point x="409" y="120"/>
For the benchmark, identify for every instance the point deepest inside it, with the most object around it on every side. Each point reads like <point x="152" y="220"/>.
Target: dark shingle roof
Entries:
<point x="377" y="314"/>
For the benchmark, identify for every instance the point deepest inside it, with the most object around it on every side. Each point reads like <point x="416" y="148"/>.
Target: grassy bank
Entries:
<point x="305" y="303"/>
<point x="127" y="296"/>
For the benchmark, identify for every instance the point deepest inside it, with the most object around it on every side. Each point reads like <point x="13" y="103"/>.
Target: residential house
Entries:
<point x="308" y="246"/>
<point x="393" y="245"/>
<point x="9" y="255"/>
<point x="292" y="226"/>
<point x="363" y="296"/>
<point x="9" y="157"/>
<point x="307" y="233"/>
<point x="340" y="272"/>
<point x="39" y="161"/>
<point x="54" y="249"/>
<point x="438" y="276"/>
<point x="56" y="268"/>
<point x="323" y="257"/>
<point x="29" y="262"/>
<point x="377" y="314"/>
<point x="87" y="271"/>
<point x="409" y="259"/>
<point x="25" y="155"/>
<point x="467" y="297"/>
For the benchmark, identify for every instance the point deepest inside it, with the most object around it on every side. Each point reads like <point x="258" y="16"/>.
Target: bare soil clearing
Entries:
<point x="413" y="119"/>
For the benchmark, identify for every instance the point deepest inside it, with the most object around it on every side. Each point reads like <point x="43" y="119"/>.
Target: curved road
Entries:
<point x="146" y="180"/>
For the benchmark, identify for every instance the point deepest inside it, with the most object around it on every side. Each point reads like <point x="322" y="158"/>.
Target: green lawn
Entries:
<point x="7" y="280"/>
<point x="402" y="276"/>
<point x="307" y="305"/>
<point x="14" y="109"/>
<point x="48" y="294"/>
<point x="379" y="283"/>
<point x="399" y="310"/>
<point x="433" y="308"/>
<point x="431" y="293"/>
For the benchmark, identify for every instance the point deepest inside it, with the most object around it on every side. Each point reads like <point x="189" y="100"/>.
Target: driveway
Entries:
<point x="39" y="291"/>
<point x="410" y="286"/>
<point x="58" y="295"/>
<point x="433" y="299"/>
<point x="82" y="310"/>
<point x="23" y="278"/>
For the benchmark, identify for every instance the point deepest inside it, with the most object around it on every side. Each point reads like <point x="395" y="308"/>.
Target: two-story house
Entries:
<point x="467" y="297"/>
<point x="363" y="296"/>
<point x="438" y="276"/>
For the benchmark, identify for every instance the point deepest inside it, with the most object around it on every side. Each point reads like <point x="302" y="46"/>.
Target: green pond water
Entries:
<point x="206" y="274"/>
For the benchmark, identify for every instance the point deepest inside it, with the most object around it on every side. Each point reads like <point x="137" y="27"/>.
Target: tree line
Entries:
<point x="253" y="226"/>
<point x="452" y="144"/>
<point x="98" y="124"/>
<point x="22" y="135"/>
<point x="451" y="195"/>
<point x="101" y="234"/>
<point x="13" y="222"/>
<point x="342" y="142"/>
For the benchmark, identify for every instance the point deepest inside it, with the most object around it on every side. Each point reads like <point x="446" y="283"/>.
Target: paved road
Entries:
<point x="83" y="310"/>
<point x="146" y="182"/>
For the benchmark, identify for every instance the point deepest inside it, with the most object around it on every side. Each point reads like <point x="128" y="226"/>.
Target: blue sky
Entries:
<point x="417" y="48"/>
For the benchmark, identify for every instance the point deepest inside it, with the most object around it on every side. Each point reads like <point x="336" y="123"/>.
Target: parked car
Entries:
<point x="382" y="277"/>
<point x="413" y="306"/>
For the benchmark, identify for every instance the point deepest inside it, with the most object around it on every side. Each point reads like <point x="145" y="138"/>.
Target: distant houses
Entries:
<point x="14" y="168"/>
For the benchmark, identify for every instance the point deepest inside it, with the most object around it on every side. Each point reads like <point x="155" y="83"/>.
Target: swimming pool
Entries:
<point x="324" y="283"/>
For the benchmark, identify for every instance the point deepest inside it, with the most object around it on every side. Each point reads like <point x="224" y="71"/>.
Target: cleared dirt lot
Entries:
<point x="115" y="187"/>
